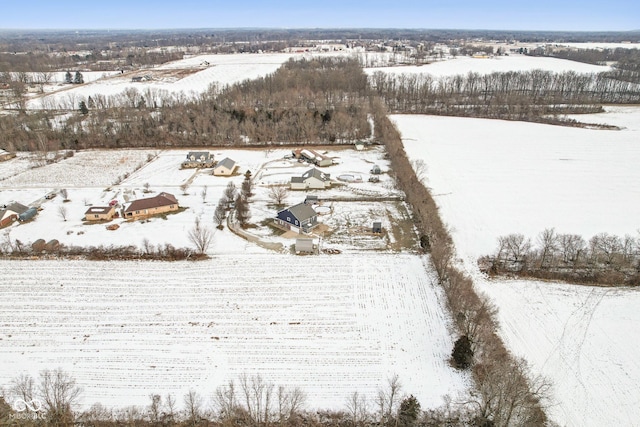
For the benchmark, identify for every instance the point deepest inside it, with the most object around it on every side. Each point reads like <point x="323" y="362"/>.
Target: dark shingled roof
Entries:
<point x="162" y="199"/>
<point x="99" y="210"/>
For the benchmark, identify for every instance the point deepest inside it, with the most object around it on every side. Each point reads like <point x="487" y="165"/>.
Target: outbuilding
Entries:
<point x="304" y="245"/>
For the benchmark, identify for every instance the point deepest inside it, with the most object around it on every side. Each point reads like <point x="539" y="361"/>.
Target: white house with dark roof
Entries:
<point x="301" y="217"/>
<point x="313" y="179"/>
<point x="225" y="167"/>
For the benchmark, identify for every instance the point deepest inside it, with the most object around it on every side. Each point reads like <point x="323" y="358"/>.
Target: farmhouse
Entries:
<point x="100" y="213"/>
<point x="5" y="155"/>
<point x="225" y="167"/>
<point x="311" y="179"/>
<point x="198" y="159"/>
<point x="163" y="202"/>
<point x="300" y="217"/>
<point x="10" y="213"/>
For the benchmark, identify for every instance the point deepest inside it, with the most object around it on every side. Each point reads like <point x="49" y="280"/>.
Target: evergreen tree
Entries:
<point x="83" y="108"/>
<point x="68" y="78"/>
<point x="408" y="412"/>
<point x="78" y="79"/>
<point x="462" y="353"/>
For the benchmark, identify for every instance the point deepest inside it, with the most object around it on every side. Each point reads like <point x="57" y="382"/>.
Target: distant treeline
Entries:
<point x="535" y="95"/>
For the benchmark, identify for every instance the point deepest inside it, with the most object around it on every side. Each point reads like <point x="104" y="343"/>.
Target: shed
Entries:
<point x="28" y="214"/>
<point x="304" y="245"/>
<point x="311" y="200"/>
<point x="377" y="227"/>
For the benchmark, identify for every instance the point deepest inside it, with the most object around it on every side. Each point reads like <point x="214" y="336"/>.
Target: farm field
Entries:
<point x="330" y="325"/>
<point x="492" y="178"/>
<point x="464" y="65"/>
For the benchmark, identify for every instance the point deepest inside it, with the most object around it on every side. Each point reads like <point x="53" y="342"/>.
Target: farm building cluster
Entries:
<point x="314" y="205"/>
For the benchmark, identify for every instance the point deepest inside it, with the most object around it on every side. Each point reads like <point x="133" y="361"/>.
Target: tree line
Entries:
<point x="604" y="259"/>
<point x="506" y="393"/>
<point x="534" y="95"/>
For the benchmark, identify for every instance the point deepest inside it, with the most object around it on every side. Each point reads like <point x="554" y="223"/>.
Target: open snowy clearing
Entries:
<point x="492" y="178"/>
<point x="330" y="325"/>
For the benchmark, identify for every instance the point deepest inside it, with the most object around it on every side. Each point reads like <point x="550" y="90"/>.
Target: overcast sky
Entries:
<point x="573" y="15"/>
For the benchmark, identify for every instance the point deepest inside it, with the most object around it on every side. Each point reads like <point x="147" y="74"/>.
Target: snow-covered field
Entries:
<point x="330" y="325"/>
<point x="220" y="69"/>
<point x="465" y="64"/>
<point x="491" y="178"/>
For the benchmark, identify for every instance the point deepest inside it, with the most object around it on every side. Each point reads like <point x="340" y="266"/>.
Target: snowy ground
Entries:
<point x="579" y="337"/>
<point x="491" y="178"/>
<point x="330" y="325"/>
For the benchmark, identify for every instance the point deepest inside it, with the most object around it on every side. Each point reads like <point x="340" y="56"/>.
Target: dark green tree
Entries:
<point x="68" y="78"/>
<point x="409" y="412"/>
<point x="78" y="79"/>
<point x="462" y="353"/>
<point x="83" y="108"/>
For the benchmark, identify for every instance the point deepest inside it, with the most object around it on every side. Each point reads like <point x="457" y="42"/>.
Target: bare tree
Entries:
<point x="65" y="194"/>
<point x="358" y="409"/>
<point x="203" y="193"/>
<point x="230" y="191"/>
<point x="290" y="403"/>
<point x="507" y="395"/>
<point x="23" y="387"/>
<point x="184" y="187"/>
<point x="62" y="211"/>
<point x="155" y="408"/>
<point x="200" y="236"/>
<point x="258" y="396"/>
<point x="278" y="193"/>
<point x="193" y="407"/>
<point x="420" y="169"/>
<point x="60" y="394"/>
<point x="219" y="215"/>
<point x="548" y="242"/>
<point x="225" y="401"/>
<point x="388" y="400"/>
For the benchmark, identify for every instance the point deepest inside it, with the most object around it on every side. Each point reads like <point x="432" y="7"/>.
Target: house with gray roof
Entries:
<point x="301" y="217"/>
<point x="313" y="179"/>
<point x="198" y="159"/>
<point x="225" y="167"/>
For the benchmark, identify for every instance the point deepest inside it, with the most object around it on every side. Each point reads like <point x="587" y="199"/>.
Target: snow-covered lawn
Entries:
<point x="492" y="178"/>
<point x="330" y="325"/>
